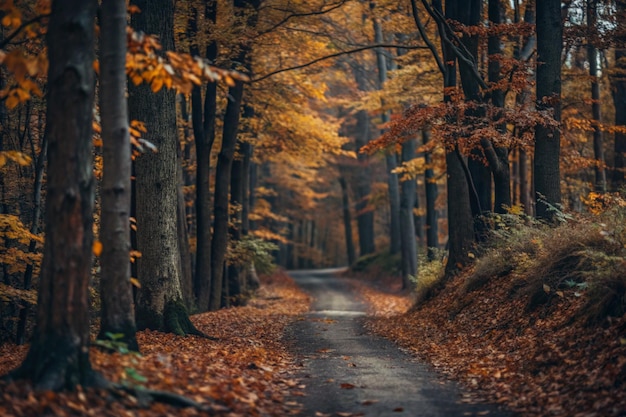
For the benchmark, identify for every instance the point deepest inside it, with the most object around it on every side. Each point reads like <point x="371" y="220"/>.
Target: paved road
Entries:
<point x="348" y="372"/>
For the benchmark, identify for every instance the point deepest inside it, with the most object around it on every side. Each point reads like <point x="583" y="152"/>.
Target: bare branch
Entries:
<point x="335" y="55"/>
<point x="422" y="30"/>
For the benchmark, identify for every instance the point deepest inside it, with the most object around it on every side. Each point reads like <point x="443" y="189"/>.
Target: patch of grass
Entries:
<point x="430" y="277"/>
<point x="583" y="256"/>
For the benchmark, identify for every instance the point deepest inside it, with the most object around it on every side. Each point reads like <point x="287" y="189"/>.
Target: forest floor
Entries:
<point x="538" y="363"/>
<point x="545" y="362"/>
<point x="247" y="372"/>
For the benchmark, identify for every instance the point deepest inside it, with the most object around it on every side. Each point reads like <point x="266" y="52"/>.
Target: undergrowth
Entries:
<point x="581" y="256"/>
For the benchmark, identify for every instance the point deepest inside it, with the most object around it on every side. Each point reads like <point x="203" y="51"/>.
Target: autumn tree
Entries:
<point x="58" y="357"/>
<point x="117" y="314"/>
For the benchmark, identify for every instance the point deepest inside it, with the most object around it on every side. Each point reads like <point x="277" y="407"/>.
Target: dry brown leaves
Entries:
<point x="540" y="363"/>
<point x="245" y="373"/>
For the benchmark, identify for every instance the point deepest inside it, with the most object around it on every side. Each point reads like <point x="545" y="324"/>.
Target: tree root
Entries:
<point x="145" y="397"/>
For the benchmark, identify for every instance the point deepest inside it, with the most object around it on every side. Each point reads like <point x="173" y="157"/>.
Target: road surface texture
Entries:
<point x="348" y="372"/>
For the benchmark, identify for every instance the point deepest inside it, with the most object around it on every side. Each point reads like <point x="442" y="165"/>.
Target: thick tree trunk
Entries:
<point x="407" y="222"/>
<point x="222" y="182"/>
<point x="58" y="357"/>
<point x="548" y="139"/>
<point x="160" y="304"/>
<point x="619" y="101"/>
<point x="117" y="314"/>
<point x="432" y="226"/>
<point x="347" y="221"/>
<point x="460" y="220"/>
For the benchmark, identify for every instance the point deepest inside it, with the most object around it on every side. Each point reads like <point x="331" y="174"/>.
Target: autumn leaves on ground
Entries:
<point x="243" y="373"/>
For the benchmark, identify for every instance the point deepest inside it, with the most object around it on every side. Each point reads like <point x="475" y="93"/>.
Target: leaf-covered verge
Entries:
<point x="537" y="324"/>
<point x="246" y="372"/>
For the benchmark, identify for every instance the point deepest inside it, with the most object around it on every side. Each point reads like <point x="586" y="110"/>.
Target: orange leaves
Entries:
<point x="25" y="69"/>
<point x="176" y="70"/>
<point x="19" y="158"/>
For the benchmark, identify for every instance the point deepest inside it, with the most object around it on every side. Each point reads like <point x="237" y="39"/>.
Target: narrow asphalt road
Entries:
<point x="348" y="372"/>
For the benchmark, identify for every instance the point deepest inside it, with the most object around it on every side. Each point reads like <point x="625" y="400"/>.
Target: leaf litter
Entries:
<point x="537" y="363"/>
<point x="246" y="372"/>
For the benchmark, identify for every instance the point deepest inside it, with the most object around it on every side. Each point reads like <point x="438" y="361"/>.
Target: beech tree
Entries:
<point x="58" y="357"/>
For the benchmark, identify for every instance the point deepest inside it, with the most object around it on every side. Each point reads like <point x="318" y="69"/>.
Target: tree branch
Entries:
<point x="335" y="55"/>
<point x="424" y="35"/>
<point x="459" y="49"/>
<point x="294" y="15"/>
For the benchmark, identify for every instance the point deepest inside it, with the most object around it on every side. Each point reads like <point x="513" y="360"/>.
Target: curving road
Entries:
<point x="348" y="372"/>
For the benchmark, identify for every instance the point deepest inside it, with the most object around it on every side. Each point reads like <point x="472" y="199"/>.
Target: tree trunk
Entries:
<point x="407" y="220"/>
<point x="58" y="357"/>
<point x="117" y="314"/>
<point x="432" y="226"/>
<point x="219" y="243"/>
<point x="235" y="287"/>
<point x="592" y="52"/>
<point x="390" y="156"/>
<point x="203" y="121"/>
<point x="547" y="139"/>
<point x="619" y="100"/>
<point x="460" y="220"/>
<point x="363" y="188"/>
<point x="160" y="304"/>
<point x="498" y="157"/>
<point x="347" y="221"/>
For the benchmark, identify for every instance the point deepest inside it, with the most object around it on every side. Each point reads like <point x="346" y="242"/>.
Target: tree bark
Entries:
<point x="547" y="139"/>
<point x="58" y="357"/>
<point x="117" y="314"/>
<point x="160" y="304"/>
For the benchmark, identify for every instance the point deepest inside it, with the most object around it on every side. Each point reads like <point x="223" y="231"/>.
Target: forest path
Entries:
<point x="348" y="372"/>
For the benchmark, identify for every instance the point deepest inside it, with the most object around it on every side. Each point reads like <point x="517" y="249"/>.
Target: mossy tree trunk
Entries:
<point x="58" y="357"/>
